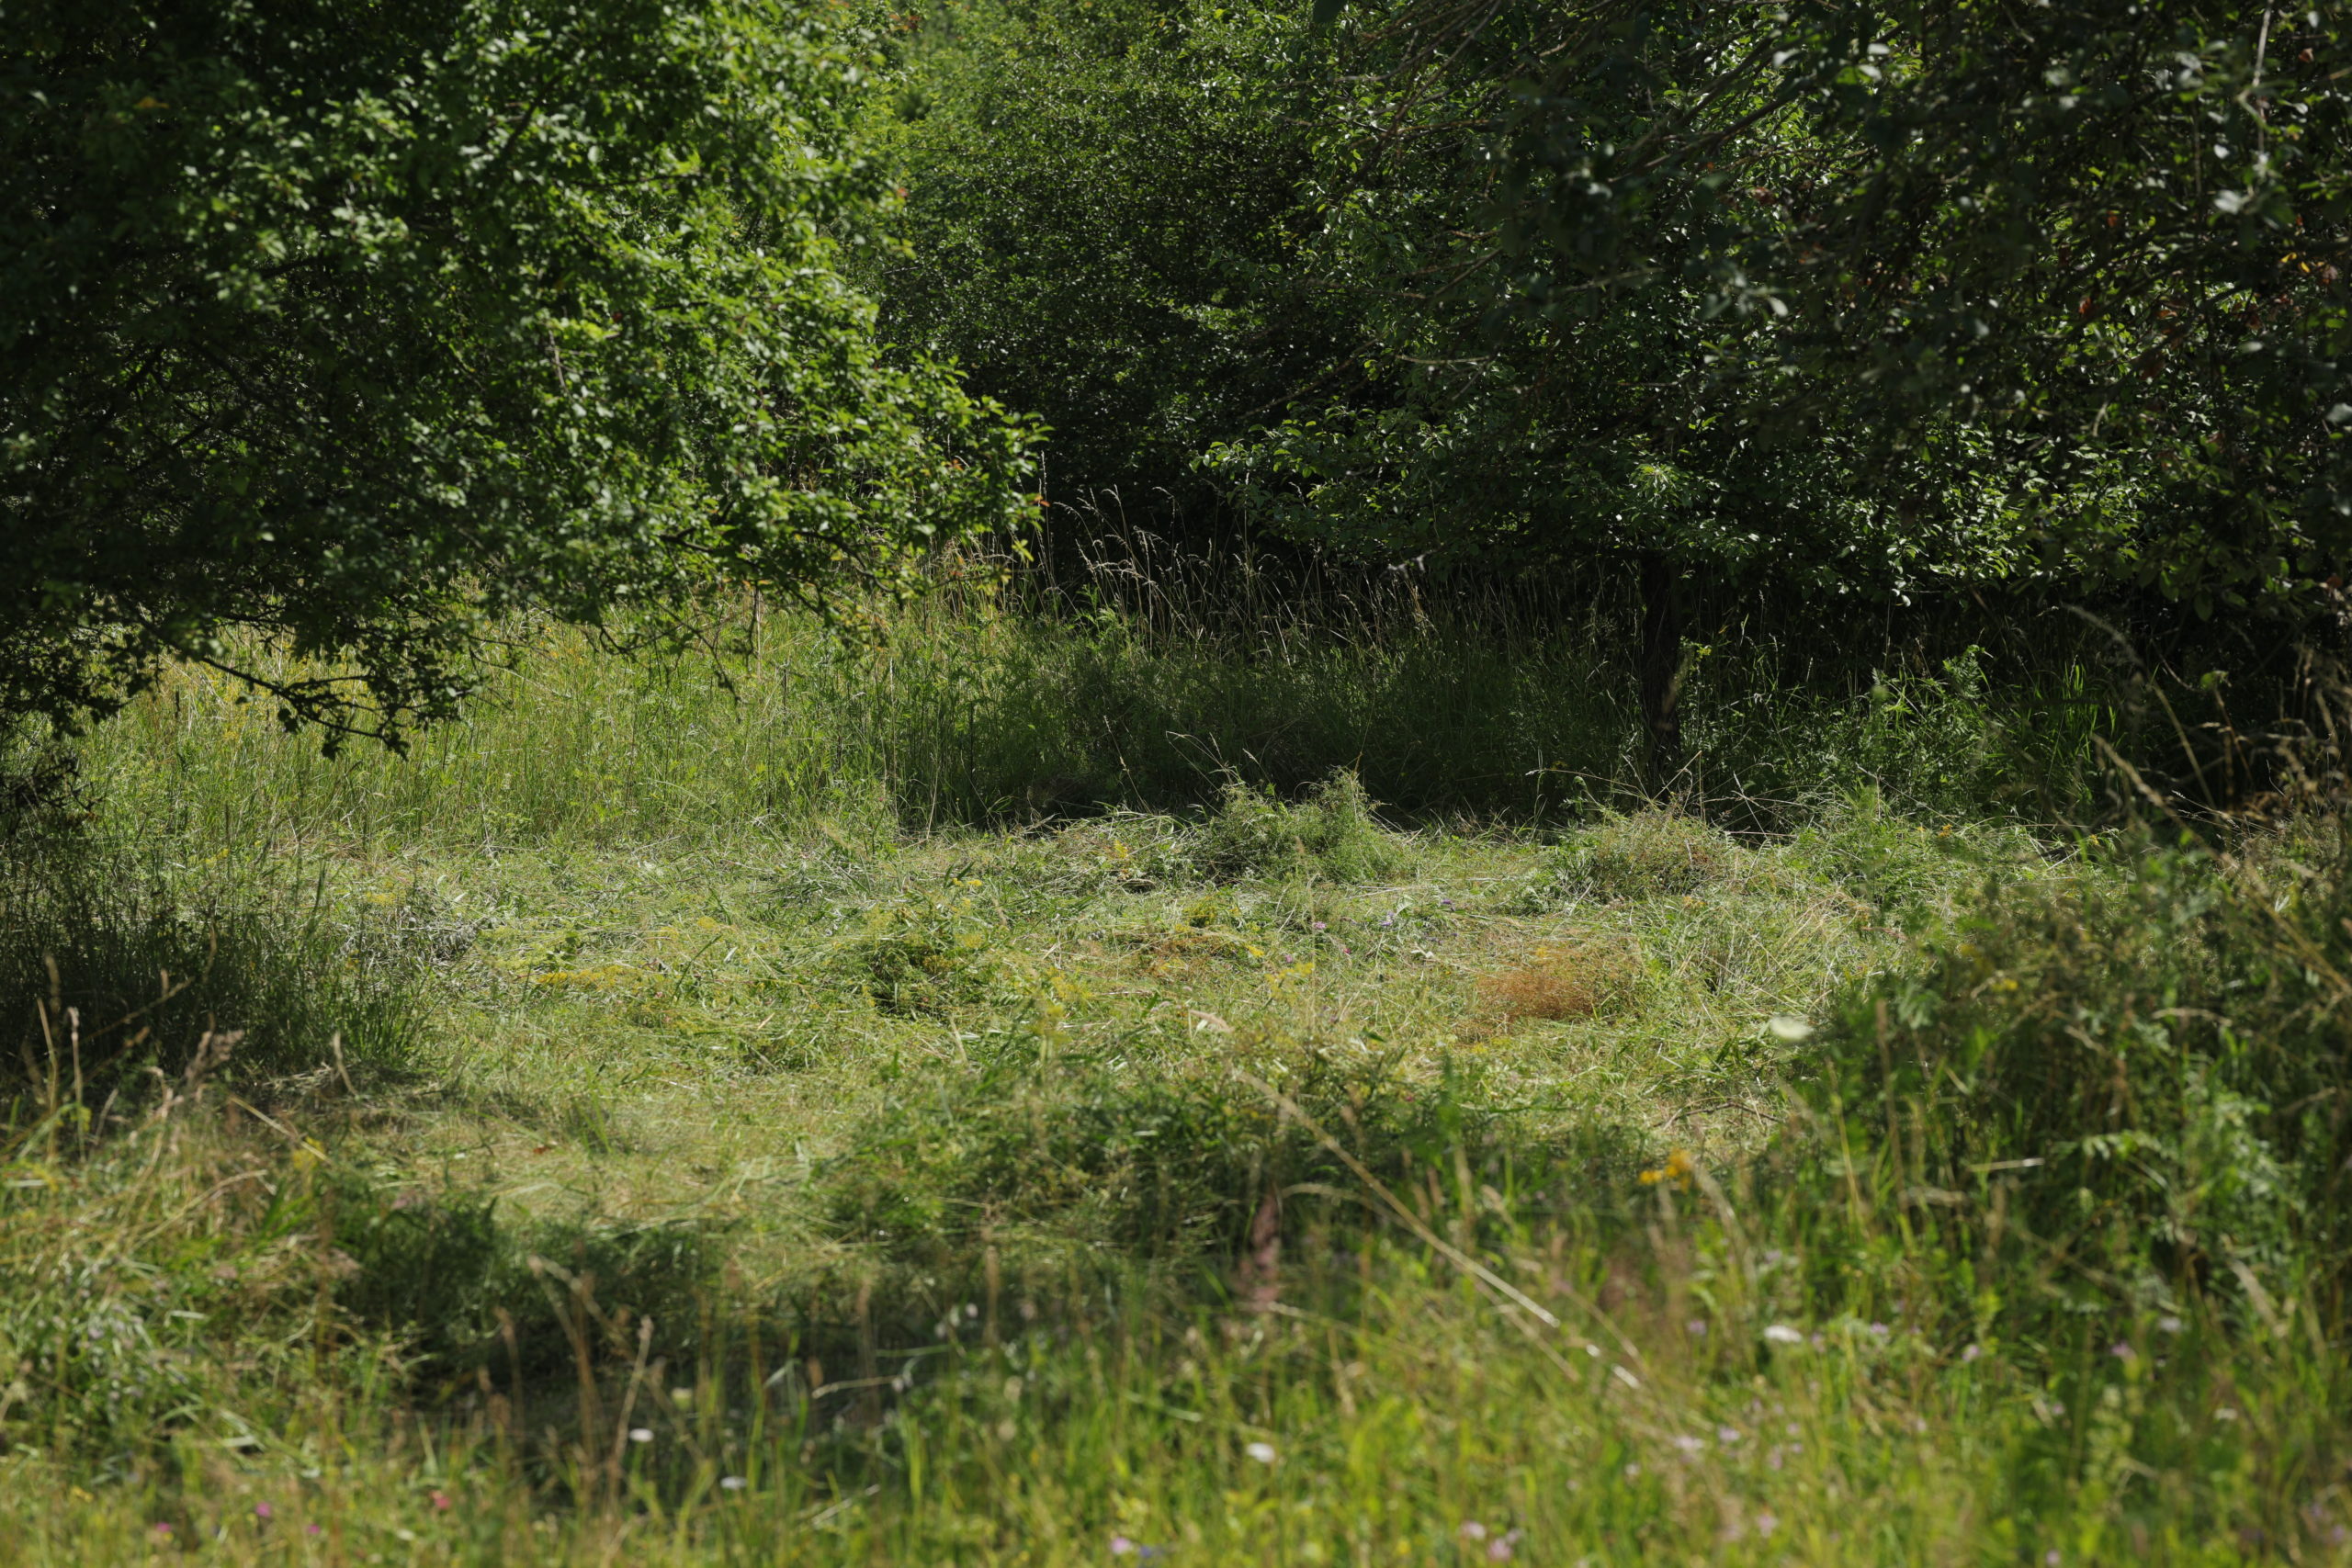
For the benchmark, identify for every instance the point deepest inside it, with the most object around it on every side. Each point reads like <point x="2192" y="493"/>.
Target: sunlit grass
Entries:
<point x="847" y="1125"/>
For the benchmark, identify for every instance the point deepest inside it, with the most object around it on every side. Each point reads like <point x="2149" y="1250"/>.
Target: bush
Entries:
<point x="2141" y="1074"/>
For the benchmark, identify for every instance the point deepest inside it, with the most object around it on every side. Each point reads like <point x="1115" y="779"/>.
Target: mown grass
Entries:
<point x="800" y="1124"/>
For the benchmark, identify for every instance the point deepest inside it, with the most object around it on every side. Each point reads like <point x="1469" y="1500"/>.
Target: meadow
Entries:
<point x="1068" y="1090"/>
<point x="1083" y="782"/>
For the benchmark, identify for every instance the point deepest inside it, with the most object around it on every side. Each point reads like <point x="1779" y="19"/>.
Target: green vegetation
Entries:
<point x="1320" y="782"/>
<point x="1756" y="316"/>
<point x="353" y="333"/>
<point x="666" y="1125"/>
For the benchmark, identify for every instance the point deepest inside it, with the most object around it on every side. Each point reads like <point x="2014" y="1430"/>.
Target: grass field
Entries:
<point x="655" y="1125"/>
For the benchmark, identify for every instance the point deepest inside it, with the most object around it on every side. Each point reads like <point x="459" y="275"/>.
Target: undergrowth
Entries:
<point x="968" y="715"/>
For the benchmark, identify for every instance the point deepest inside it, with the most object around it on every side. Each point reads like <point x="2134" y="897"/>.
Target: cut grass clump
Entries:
<point x="1331" y="836"/>
<point x="1900" y="867"/>
<point x="1650" y="854"/>
<point x="927" y="959"/>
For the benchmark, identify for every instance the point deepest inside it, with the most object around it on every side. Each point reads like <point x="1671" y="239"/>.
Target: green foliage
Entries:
<point x="799" y="1175"/>
<point x="109" y="966"/>
<point x="1329" y="836"/>
<point x="924" y="1178"/>
<point x="1103" y="198"/>
<point x="41" y="785"/>
<point x="109" y="1322"/>
<point x="2140" y="1070"/>
<point x="2060" y="299"/>
<point x="973" y="718"/>
<point x="1932" y="738"/>
<point x="2157" y="347"/>
<point x="355" y="333"/>
<point x="1783" y="312"/>
<point x="924" y="959"/>
<point x="106" y="1324"/>
<point x="1956" y="742"/>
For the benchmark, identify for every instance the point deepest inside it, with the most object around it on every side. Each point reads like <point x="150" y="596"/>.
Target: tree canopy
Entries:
<point x="348" y="330"/>
<point x="358" y="328"/>
<point x="2103" y="245"/>
<point x="1827" y="302"/>
<point x="1856" y="297"/>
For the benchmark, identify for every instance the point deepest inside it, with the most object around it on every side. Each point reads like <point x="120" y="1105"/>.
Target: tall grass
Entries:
<point x="1149" y="685"/>
<point x="112" y="967"/>
<point x="1734" y="1376"/>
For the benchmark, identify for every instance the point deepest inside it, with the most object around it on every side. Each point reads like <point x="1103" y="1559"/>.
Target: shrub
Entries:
<point x="1932" y="743"/>
<point x="2145" y="1069"/>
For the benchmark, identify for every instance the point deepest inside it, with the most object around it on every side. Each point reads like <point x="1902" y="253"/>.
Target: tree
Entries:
<point x="1816" y="305"/>
<point x="2114" y="237"/>
<point x="351" y="329"/>
<point x="1510" y="426"/>
<point x="2097" y="250"/>
<point x="1847" y="298"/>
<point x="1254" y="266"/>
<point x="1103" y="217"/>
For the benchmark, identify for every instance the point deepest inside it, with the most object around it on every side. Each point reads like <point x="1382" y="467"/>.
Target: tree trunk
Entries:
<point x="1662" y="674"/>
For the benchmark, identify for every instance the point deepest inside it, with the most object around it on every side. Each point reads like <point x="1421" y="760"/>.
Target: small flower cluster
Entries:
<point x="1680" y="1170"/>
<point x="1498" y="1548"/>
<point x="1123" y="1547"/>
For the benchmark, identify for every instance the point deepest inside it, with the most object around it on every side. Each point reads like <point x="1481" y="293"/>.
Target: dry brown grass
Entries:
<point x="1555" y="983"/>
